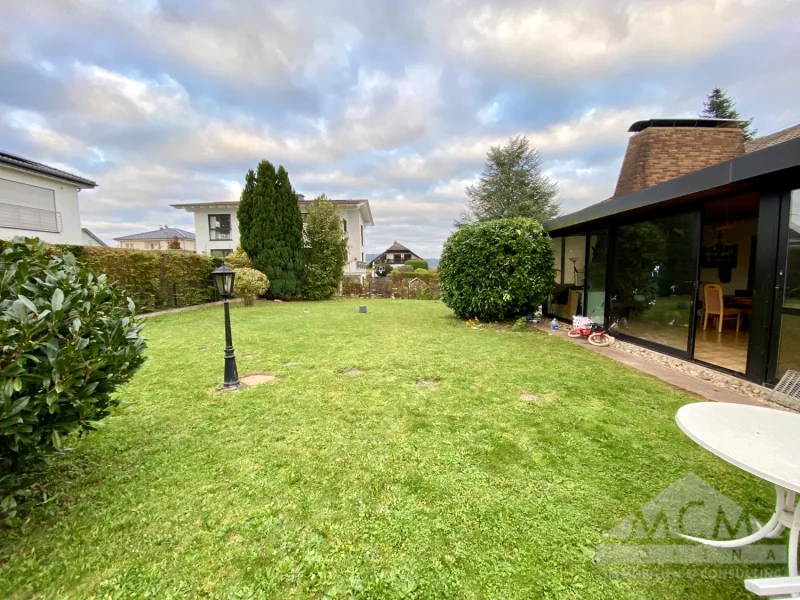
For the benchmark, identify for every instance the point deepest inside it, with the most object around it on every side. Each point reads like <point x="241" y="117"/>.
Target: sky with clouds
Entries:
<point x="167" y="101"/>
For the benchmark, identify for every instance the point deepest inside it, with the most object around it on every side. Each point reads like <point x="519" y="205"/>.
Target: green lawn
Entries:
<point x="322" y="485"/>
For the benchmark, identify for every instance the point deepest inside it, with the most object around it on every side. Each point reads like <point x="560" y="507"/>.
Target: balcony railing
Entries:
<point x="215" y="235"/>
<point x="26" y="217"/>
<point x="361" y="266"/>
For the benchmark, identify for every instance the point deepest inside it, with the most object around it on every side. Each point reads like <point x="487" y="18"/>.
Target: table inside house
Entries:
<point x="765" y="442"/>
<point x="738" y="302"/>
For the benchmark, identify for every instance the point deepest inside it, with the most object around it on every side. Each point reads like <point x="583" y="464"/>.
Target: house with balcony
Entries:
<point x="159" y="239"/>
<point x="217" y="228"/>
<point x="39" y="201"/>
<point x="396" y="254"/>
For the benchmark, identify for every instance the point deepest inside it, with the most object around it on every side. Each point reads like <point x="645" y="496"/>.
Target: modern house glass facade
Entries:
<point x="705" y="266"/>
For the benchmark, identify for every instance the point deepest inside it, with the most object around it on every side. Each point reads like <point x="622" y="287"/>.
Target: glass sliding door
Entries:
<point x="653" y="279"/>
<point x="557" y="245"/>
<point x="574" y="260"/>
<point x="596" y="276"/>
<point x="566" y="297"/>
<point x="787" y="302"/>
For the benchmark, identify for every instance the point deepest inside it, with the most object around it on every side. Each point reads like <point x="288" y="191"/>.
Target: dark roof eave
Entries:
<point x="757" y="164"/>
<point x="22" y="164"/>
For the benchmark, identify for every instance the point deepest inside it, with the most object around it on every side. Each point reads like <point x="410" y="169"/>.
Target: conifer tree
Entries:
<point x="271" y="228"/>
<point x="719" y="106"/>
<point x="513" y="184"/>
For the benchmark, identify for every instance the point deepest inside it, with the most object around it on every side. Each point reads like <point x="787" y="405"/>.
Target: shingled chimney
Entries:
<point x="662" y="149"/>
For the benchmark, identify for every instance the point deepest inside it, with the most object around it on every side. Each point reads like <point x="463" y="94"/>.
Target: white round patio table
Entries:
<point x="762" y="441"/>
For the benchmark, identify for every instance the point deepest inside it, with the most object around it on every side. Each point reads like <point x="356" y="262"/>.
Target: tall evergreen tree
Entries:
<point x="271" y="228"/>
<point x="512" y="184"/>
<point x="326" y="250"/>
<point x="719" y="106"/>
<point x="245" y="214"/>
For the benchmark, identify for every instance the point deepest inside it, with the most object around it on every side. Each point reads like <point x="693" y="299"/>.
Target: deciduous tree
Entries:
<point x="326" y="250"/>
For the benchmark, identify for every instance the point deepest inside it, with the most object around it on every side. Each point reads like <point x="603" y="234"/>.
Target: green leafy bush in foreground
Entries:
<point x="69" y="339"/>
<point x="496" y="270"/>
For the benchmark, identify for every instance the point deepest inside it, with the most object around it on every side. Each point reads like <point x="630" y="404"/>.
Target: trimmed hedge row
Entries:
<point x="154" y="279"/>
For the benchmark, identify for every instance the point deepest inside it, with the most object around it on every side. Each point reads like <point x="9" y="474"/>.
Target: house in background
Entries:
<point x="90" y="239"/>
<point x="396" y="254"/>
<point x="217" y="228"/>
<point x="39" y="201"/>
<point x="701" y="224"/>
<point x="158" y="239"/>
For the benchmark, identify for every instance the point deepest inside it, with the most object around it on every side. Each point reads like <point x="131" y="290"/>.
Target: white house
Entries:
<point x="90" y="239"/>
<point x="217" y="229"/>
<point x="39" y="201"/>
<point x="159" y="239"/>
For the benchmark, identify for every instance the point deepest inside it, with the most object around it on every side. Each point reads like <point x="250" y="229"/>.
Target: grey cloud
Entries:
<point x="173" y="100"/>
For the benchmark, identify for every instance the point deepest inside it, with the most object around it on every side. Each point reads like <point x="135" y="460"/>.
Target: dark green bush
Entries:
<point x="417" y="263"/>
<point x="69" y="340"/>
<point x="496" y="270"/>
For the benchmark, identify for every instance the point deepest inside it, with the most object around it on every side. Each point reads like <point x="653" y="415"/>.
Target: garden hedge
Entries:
<point x="496" y="270"/>
<point x="154" y="279"/>
<point x="417" y="263"/>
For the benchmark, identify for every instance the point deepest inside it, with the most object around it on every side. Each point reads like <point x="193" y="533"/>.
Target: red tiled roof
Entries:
<point x="765" y="141"/>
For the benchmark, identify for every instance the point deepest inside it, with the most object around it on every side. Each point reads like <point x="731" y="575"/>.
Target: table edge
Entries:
<point x="729" y="459"/>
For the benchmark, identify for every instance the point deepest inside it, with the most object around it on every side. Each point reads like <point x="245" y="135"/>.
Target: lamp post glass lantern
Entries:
<point x="223" y="280"/>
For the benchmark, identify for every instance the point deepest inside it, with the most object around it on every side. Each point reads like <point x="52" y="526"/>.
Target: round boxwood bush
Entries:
<point x="69" y="339"/>
<point x="496" y="270"/>
<point x="249" y="283"/>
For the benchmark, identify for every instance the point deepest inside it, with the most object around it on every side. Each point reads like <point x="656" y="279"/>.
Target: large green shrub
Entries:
<point x="238" y="259"/>
<point x="69" y="339"/>
<point x="496" y="270"/>
<point x="326" y="250"/>
<point x="417" y="263"/>
<point x="249" y="283"/>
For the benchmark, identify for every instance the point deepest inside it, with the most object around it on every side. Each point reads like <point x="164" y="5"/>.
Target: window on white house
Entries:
<point x="221" y="253"/>
<point x="362" y="235"/>
<point x="127" y="245"/>
<point x="219" y="227"/>
<point x="344" y="225"/>
<point x="24" y="206"/>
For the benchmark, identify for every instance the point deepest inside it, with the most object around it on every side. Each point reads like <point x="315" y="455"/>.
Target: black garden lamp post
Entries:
<point x="223" y="279"/>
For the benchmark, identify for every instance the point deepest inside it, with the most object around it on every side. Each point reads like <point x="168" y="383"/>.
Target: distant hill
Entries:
<point x="432" y="262"/>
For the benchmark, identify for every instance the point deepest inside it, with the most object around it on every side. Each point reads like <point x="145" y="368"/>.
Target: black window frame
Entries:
<point x="214" y="234"/>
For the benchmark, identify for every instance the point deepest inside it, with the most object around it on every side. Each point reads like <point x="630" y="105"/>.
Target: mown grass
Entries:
<point x="322" y="485"/>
